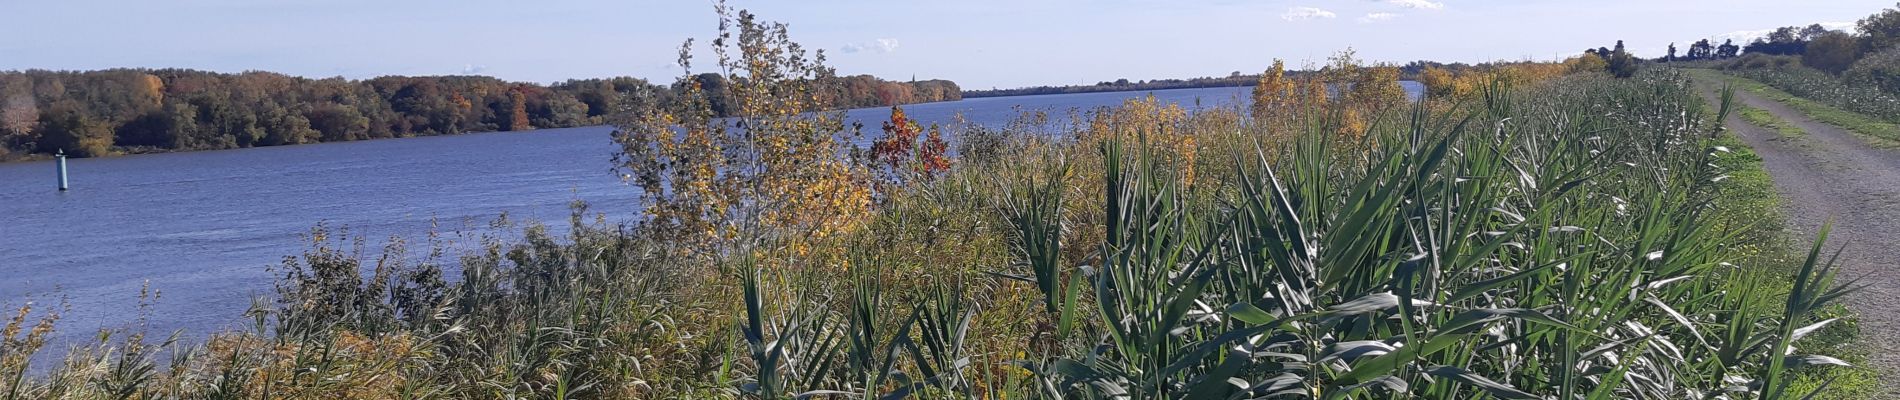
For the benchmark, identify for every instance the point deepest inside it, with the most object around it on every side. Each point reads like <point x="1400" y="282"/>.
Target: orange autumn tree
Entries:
<point x="518" y="111"/>
<point x="908" y="152"/>
<point x="149" y="90"/>
<point x="775" y="169"/>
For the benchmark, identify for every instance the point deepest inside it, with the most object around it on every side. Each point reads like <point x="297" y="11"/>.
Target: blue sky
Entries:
<point x="978" y="43"/>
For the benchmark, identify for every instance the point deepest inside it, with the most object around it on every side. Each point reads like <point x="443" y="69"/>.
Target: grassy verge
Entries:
<point x="1767" y="120"/>
<point x="1875" y="131"/>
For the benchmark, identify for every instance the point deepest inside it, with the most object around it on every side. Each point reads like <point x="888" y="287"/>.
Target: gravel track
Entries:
<point x="1829" y="174"/>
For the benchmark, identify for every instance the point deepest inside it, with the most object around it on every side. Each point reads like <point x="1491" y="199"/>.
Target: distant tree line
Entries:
<point x="94" y="113"/>
<point x="1409" y="71"/>
<point x="858" y="91"/>
<point x="1122" y="85"/>
<point x="1703" y="50"/>
<point x="1857" y="70"/>
<point x="1787" y="40"/>
<point x="1814" y="45"/>
<point x="1414" y="71"/>
<point x="855" y="91"/>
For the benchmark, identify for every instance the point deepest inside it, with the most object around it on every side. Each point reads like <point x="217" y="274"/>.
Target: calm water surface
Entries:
<point x="204" y="228"/>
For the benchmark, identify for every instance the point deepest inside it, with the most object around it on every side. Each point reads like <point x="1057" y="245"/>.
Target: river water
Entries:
<point x="202" y="229"/>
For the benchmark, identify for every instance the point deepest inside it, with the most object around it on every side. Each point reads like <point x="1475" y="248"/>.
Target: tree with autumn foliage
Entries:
<point x="18" y="116"/>
<point x="1439" y="82"/>
<point x="1588" y="62"/>
<point x="1275" y="95"/>
<point x="518" y="111"/>
<point x="776" y="169"/>
<point x="1377" y="88"/>
<point x="908" y="152"/>
<point x="1365" y="91"/>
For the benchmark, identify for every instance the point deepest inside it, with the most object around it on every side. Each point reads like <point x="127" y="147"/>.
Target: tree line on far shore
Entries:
<point x="95" y="113"/>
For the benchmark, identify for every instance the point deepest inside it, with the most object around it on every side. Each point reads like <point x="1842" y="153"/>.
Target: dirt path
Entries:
<point x="1831" y="174"/>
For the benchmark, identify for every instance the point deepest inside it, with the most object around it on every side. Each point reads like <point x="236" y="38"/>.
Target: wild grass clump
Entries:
<point x="1519" y="260"/>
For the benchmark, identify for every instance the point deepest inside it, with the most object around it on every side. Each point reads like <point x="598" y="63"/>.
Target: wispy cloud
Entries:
<point x="885" y="45"/>
<point x="471" y="69"/>
<point x="1418" y="4"/>
<point x="1377" y="17"/>
<point x="1306" y="13"/>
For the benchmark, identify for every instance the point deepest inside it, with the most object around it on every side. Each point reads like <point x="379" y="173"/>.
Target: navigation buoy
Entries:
<point x="62" y="169"/>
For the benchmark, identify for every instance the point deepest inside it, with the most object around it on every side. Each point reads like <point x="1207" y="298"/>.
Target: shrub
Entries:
<point x="1831" y="52"/>
<point x="1880" y="69"/>
<point x="771" y="166"/>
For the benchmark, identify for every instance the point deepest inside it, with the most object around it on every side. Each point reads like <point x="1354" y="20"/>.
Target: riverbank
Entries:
<point x="971" y="279"/>
<point x="130" y="111"/>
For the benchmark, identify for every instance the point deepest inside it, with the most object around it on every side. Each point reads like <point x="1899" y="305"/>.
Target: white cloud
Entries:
<point x="1306" y="13"/>
<point x="1418" y="4"/>
<point x="471" y="69"/>
<point x="884" y="45"/>
<point x="1377" y="17"/>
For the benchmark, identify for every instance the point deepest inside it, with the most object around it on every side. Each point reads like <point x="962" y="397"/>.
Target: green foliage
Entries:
<point x="1621" y="64"/>
<point x="66" y="129"/>
<point x="1331" y="290"/>
<point x="1880" y="70"/>
<point x="1881" y="30"/>
<point x="1787" y="40"/>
